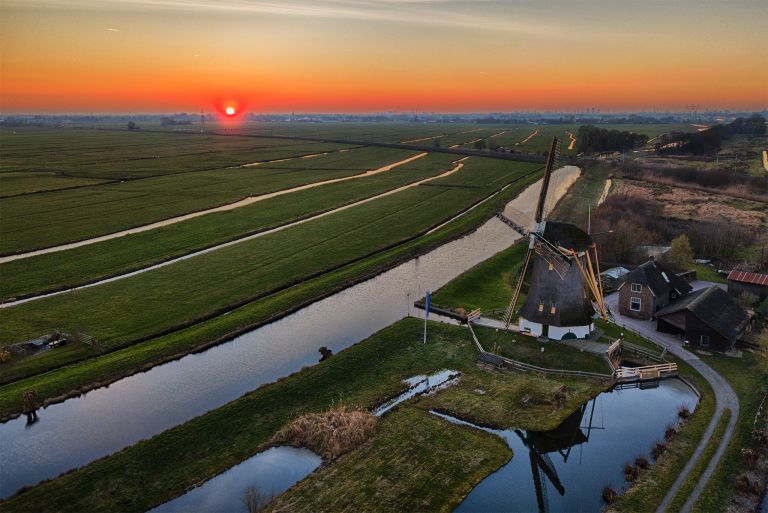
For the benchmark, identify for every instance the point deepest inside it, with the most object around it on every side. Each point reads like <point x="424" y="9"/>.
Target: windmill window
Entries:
<point x="636" y="287"/>
<point x="635" y="303"/>
<point x="551" y="267"/>
<point x="541" y="306"/>
<point x="552" y="310"/>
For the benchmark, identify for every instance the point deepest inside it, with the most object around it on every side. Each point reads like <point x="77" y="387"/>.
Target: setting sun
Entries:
<point x="230" y="111"/>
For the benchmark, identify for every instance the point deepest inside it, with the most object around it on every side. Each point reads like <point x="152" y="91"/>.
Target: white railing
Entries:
<point x="645" y="372"/>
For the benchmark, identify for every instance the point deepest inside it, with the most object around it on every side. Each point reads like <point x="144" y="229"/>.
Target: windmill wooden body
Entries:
<point x="564" y="291"/>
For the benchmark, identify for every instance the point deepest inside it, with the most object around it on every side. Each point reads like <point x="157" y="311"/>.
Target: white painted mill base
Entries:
<point x="535" y="329"/>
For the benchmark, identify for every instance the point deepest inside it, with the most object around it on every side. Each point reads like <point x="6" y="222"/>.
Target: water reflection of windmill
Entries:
<point x="560" y="440"/>
<point x="564" y="290"/>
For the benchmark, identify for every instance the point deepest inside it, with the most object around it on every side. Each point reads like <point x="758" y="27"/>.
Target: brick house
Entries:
<point x="648" y="288"/>
<point x="708" y="319"/>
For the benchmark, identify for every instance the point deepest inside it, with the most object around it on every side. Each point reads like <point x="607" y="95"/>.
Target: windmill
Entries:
<point x="565" y="290"/>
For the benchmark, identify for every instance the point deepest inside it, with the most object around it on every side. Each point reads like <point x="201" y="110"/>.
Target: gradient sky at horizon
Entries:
<point x="366" y="56"/>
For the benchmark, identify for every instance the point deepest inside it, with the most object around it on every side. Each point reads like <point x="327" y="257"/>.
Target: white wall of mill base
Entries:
<point x="535" y="329"/>
<point x="558" y="332"/>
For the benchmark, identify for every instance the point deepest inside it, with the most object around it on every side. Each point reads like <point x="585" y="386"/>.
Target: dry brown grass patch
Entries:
<point x="331" y="433"/>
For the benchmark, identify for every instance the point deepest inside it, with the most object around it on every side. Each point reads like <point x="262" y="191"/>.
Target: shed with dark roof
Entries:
<point x="708" y="318"/>
<point x="740" y="282"/>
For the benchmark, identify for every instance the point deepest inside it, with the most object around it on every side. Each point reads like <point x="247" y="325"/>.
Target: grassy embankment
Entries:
<point x="155" y="470"/>
<point x="108" y="367"/>
<point x="693" y="479"/>
<point x="488" y="286"/>
<point x="56" y="217"/>
<point x="749" y="378"/>
<point x="108" y="258"/>
<point x="584" y="193"/>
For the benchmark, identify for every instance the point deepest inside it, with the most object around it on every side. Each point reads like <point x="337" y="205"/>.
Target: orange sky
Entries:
<point x="365" y="55"/>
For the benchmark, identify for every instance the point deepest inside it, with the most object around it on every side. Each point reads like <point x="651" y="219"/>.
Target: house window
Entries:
<point x="551" y="267"/>
<point x="704" y="341"/>
<point x="541" y="306"/>
<point x="552" y="310"/>
<point x="636" y="287"/>
<point x="634" y="304"/>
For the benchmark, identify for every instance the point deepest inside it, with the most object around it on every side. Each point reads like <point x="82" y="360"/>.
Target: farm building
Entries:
<point x="648" y="288"/>
<point x="612" y="278"/>
<point x="740" y="282"/>
<point x="708" y="318"/>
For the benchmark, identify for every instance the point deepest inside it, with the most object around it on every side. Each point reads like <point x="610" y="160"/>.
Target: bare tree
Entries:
<point x="255" y="501"/>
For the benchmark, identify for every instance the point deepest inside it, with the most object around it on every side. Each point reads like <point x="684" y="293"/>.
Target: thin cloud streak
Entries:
<point x="417" y="12"/>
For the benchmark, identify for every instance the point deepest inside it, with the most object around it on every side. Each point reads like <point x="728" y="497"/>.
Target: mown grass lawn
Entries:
<point x="156" y="470"/>
<point x="52" y="218"/>
<point x="54" y="271"/>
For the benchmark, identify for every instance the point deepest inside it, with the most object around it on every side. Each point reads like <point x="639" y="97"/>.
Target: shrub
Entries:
<point x="609" y="495"/>
<point x="642" y="462"/>
<point x="631" y="472"/>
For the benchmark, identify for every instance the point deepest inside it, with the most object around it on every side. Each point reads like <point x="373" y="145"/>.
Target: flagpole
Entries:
<point x="426" y="314"/>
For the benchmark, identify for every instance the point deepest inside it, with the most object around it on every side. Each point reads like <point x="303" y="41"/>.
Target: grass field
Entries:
<point x="412" y="450"/>
<point x="126" y="155"/>
<point x="89" y="263"/>
<point x="56" y="217"/>
<point x="150" y="303"/>
<point x="105" y="368"/>
<point x="21" y="182"/>
<point x="156" y="470"/>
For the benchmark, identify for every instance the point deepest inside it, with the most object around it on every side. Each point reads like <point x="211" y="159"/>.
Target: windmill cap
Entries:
<point x="567" y="235"/>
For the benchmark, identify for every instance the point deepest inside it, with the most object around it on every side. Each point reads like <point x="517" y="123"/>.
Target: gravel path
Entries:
<point x="725" y="398"/>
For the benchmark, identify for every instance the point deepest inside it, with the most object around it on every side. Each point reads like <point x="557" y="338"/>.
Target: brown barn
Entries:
<point x="752" y="283"/>
<point x="708" y="319"/>
<point x="648" y="288"/>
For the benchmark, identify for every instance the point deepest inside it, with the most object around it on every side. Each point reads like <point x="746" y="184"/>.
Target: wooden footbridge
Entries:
<point x="660" y="370"/>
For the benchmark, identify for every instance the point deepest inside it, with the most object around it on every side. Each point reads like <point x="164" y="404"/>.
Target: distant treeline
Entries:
<point x="166" y="121"/>
<point x="591" y="138"/>
<point x="709" y="140"/>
